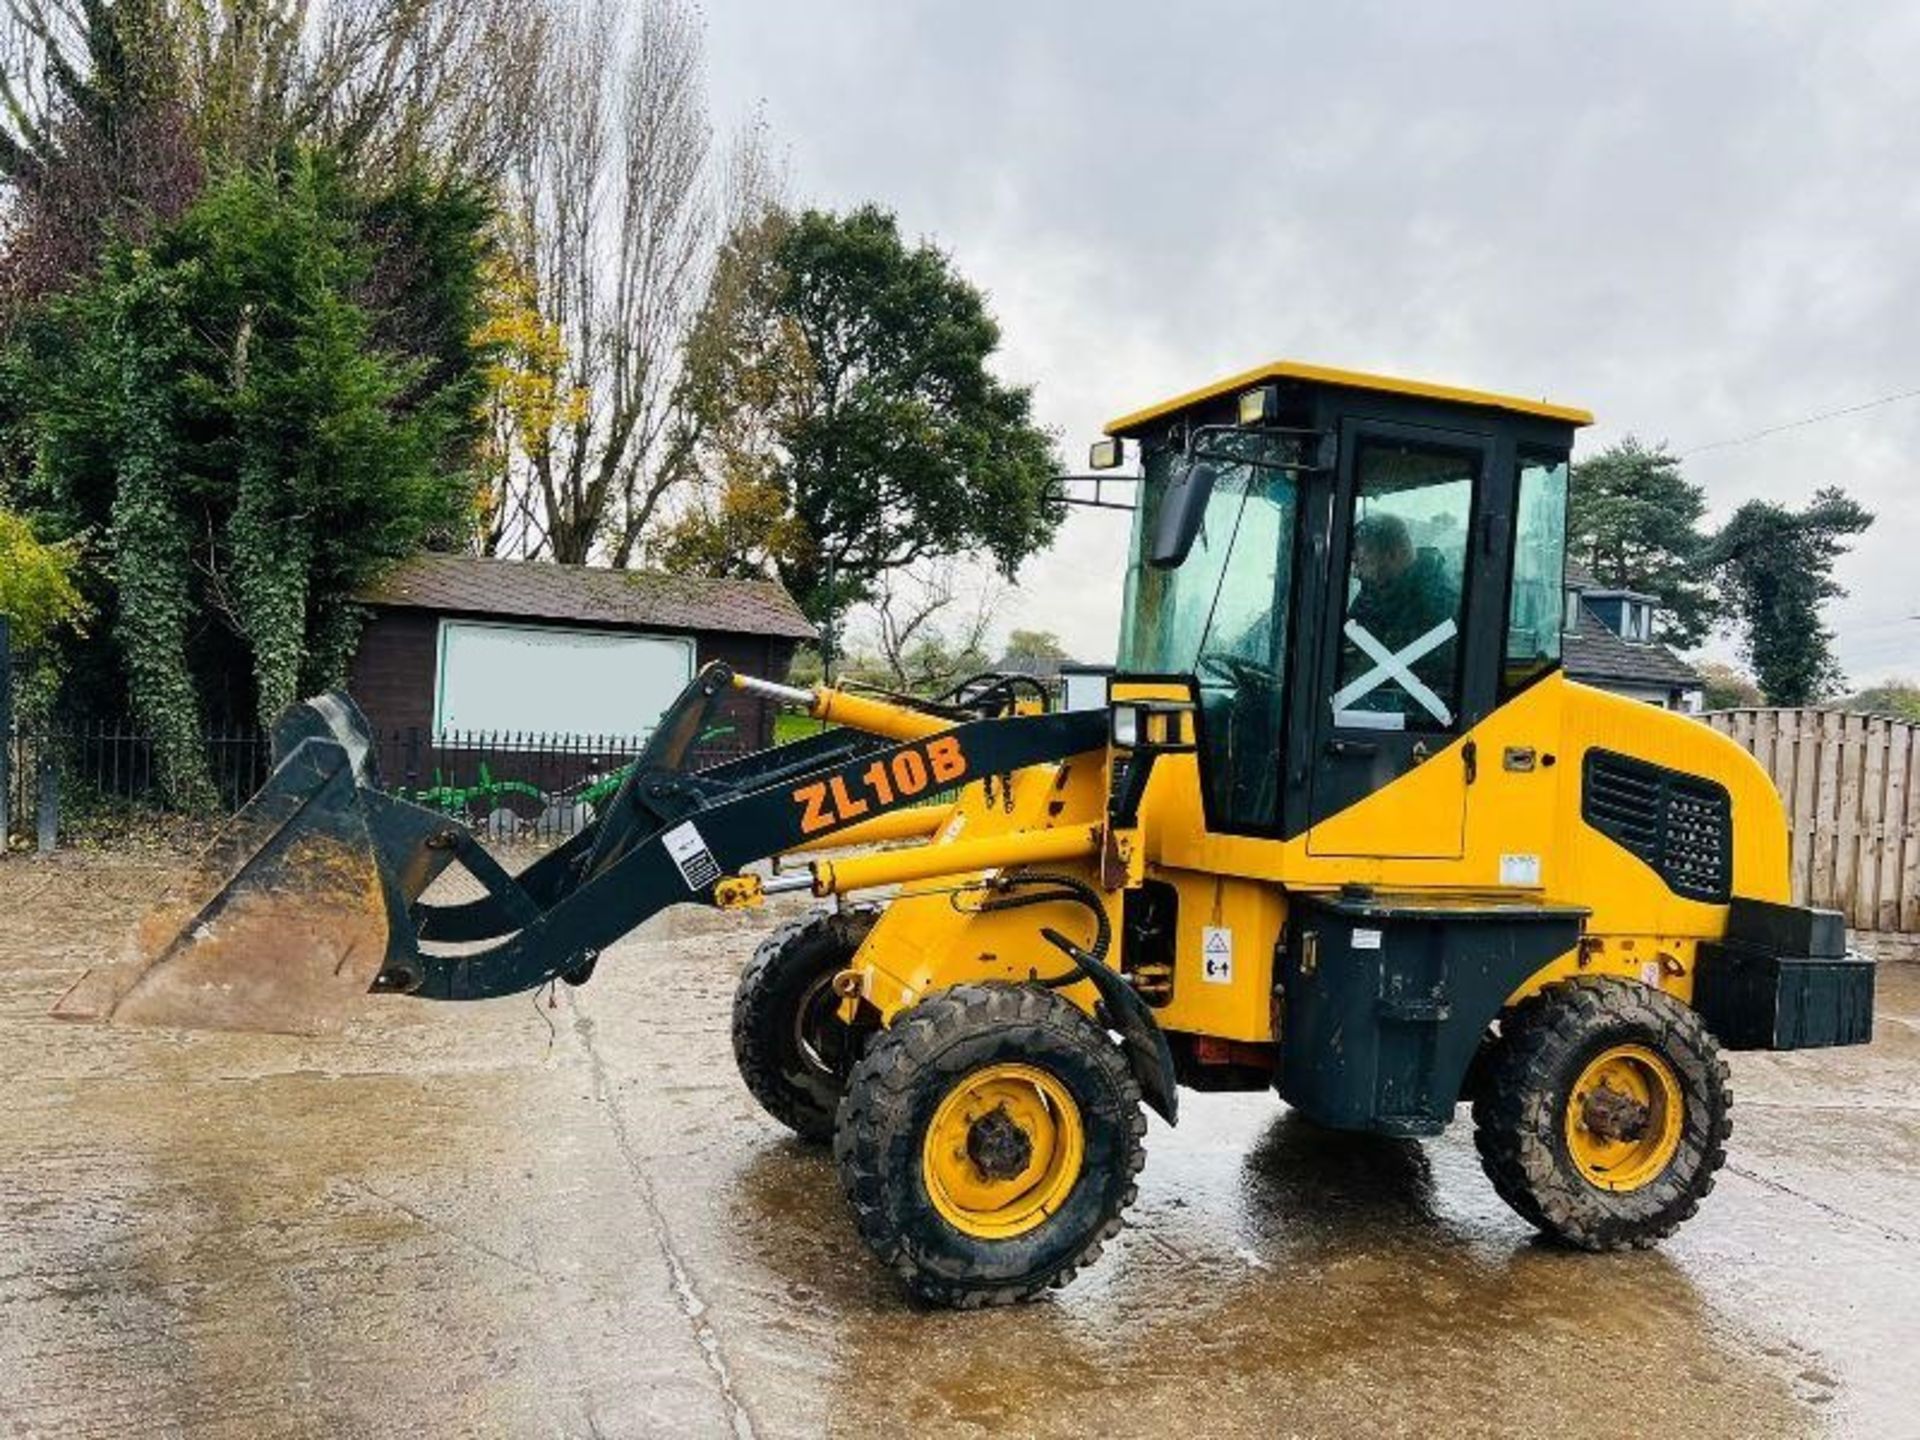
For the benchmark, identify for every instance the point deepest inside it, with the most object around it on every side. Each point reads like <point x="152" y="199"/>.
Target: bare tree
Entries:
<point x="112" y="115"/>
<point x="920" y="652"/>
<point x="389" y="83"/>
<point x="401" y="82"/>
<point x="615" y="207"/>
<point x="745" y="376"/>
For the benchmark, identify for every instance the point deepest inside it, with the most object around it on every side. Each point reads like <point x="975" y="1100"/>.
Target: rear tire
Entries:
<point x="793" y="1050"/>
<point x="988" y="1144"/>
<point x="1604" y="1113"/>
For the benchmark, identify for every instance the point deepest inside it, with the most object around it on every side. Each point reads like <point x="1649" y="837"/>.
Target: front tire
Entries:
<point x="1604" y="1113"/>
<point x="988" y="1144"/>
<point x="793" y="1050"/>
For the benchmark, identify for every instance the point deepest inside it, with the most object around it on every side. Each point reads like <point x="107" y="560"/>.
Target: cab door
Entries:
<point x="1394" y="656"/>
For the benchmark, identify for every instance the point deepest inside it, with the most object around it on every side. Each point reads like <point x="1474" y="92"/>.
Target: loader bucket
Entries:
<point x="285" y="920"/>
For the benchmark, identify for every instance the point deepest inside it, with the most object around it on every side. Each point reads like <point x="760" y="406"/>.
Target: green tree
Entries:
<point x="1899" y="698"/>
<point x="1634" y="521"/>
<point x="1726" y="687"/>
<point x="1034" y="645"/>
<point x="885" y="440"/>
<point x="747" y="383"/>
<point x="1776" y="566"/>
<point x="218" y="407"/>
<point x="37" y="590"/>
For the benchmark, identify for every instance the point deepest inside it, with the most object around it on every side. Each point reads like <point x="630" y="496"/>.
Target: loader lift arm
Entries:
<point x="657" y="790"/>
<point x="312" y="893"/>
<point x="639" y="859"/>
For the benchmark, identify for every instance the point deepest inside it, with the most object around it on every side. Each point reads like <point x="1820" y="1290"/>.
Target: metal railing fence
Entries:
<point x="96" y="779"/>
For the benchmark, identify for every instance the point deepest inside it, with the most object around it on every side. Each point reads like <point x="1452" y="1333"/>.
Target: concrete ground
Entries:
<point x="509" y="1219"/>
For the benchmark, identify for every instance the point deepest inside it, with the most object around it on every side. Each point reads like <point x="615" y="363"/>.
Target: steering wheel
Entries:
<point x="1242" y="674"/>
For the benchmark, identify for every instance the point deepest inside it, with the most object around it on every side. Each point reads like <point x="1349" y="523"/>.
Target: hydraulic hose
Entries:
<point x="1065" y="887"/>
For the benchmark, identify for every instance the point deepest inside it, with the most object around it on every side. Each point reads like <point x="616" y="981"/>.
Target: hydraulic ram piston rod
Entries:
<point x="857" y="712"/>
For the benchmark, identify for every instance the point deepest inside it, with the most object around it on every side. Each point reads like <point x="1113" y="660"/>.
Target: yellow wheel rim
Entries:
<point x="1624" y="1118"/>
<point x="1003" y="1151"/>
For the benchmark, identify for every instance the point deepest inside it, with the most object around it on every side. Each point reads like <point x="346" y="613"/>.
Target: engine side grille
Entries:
<point x="1679" y="824"/>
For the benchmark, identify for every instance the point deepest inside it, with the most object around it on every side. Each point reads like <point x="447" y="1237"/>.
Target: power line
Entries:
<point x="1804" y="420"/>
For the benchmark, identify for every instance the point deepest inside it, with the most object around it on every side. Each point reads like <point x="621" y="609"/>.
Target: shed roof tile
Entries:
<point x="588" y="594"/>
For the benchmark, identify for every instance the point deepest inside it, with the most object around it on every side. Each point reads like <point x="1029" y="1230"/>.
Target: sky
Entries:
<point x="1698" y="221"/>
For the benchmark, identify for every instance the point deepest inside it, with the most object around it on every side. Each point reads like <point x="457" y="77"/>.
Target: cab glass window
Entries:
<point x="1537" y="599"/>
<point x="1406" y="579"/>
<point x="1221" y="616"/>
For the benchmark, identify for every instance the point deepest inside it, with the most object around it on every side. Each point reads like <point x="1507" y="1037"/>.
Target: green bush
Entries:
<point x="255" y="414"/>
<point x="37" y="590"/>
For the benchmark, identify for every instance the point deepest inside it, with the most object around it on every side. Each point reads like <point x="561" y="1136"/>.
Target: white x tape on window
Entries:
<point x="1395" y="665"/>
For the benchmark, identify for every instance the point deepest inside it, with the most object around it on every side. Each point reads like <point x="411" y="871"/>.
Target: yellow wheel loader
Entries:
<point x="1336" y="825"/>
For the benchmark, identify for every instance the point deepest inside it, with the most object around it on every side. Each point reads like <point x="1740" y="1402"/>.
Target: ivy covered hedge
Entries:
<point x="239" y="423"/>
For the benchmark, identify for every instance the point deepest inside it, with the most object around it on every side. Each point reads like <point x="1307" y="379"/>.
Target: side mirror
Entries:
<point x="1181" y="510"/>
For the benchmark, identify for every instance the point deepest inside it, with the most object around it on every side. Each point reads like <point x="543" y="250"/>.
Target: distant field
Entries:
<point x="788" y="726"/>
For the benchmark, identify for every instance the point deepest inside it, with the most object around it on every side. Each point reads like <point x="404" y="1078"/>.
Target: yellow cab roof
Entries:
<point x="1353" y="380"/>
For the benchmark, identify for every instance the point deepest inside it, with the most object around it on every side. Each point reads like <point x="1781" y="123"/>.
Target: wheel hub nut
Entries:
<point x="1613" y="1116"/>
<point x="998" y="1148"/>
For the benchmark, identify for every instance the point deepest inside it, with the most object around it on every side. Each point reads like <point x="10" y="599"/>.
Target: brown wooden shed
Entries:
<point x="458" y="644"/>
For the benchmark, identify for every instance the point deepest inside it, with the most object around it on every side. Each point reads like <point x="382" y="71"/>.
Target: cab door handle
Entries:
<point x="1352" y="747"/>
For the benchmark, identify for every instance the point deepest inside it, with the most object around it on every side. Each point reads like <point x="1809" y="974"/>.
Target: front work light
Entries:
<point x="1106" y="454"/>
<point x="1126" y="726"/>
<point x="1260" y="405"/>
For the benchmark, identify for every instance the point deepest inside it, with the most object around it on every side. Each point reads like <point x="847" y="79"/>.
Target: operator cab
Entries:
<point x="1352" y="570"/>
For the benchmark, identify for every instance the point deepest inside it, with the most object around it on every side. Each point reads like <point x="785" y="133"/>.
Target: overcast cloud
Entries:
<point x="1696" y="220"/>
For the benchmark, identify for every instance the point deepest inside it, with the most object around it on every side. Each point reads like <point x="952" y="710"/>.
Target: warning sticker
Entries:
<point x="1216" y="955"/>
<point x="1366" y="939"/>
<point x="689" y="851"/>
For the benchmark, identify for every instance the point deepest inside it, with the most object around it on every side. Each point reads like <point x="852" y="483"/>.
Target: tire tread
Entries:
<point x="756" y="1022"/>
<point x="1517" y="1114"/>
<point x="874" y="1143"/>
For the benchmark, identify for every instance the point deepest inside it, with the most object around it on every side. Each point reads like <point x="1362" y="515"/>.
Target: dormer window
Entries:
<point x="1571" y="613"/>
<point x="1637" y="626"/>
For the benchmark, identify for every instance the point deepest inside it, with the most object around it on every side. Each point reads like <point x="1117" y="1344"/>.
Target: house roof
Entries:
<point x="1607" y="592"/>
<point x="1594" y="652"/>
<point x="588" y="594"/>
<point x="1039" y="667"/>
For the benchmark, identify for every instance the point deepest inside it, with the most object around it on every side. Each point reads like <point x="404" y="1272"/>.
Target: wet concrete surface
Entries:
<point x="509" y="1219"/>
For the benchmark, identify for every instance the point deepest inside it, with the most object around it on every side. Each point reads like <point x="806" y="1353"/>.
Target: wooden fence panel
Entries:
<point x="1800" y="798"/>
<point x="1899" y="830"/>
<point x="1900" y="888"/>
<point x="1830" y="733"/>
<point x="1851" y="784"/>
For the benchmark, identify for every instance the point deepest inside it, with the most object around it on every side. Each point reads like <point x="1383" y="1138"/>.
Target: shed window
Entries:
<point x="538" y="680"/>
